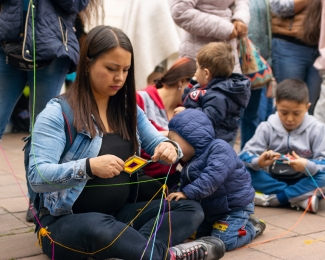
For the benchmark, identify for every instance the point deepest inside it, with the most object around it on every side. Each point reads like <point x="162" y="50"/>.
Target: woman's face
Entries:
<point x="107" y="74"/>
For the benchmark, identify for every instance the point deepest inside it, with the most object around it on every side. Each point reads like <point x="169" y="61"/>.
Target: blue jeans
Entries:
<point x="90" y="232"/>
<point x="49" y="81"/>
<point x="233" y="227"/>
<point x="294" y="61"/>
<point x="266" y="106"/>
<point x="288" y="191"/>
<point x="250" y="119"/>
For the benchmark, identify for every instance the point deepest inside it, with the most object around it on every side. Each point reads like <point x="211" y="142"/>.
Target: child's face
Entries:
<point x="291" y="113"/>
<point x="201" y="75"/>
<point x="188" y="150"/>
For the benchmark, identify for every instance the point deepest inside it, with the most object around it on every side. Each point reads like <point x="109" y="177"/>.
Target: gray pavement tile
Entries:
<point x="17" y="204"/>
<point x="18" y="246"/>
<point x="248" y="254"/>
<point x="13" y="190"/>
<point x="293" y="248"/>
<point x="22" y="217"/>
<point x="262" y="212"/>
<point x="38" y="257"/>
<point x="309" y="223"/>
<point x="10" y="224"/>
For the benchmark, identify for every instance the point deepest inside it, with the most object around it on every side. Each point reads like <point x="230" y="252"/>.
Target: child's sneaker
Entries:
<point x="205" y="248"/>
<point x="262" y="199"/>
<point x="313" y="206"/>
<point x="258" y="224"/>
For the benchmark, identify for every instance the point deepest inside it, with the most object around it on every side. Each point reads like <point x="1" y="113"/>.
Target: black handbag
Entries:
<point x="13" y="52"/>
<point x="280" y="170"/>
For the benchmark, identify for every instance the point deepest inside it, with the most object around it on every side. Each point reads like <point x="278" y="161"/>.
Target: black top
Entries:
<point x="107" y="199"/>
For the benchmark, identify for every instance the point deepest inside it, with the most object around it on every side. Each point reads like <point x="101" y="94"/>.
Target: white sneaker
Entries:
<point x="311" y="201"/>
<point x="262" y="199"/>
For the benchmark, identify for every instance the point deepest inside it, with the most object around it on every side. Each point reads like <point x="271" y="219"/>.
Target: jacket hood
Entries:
<point x="195" y="127"/>
<point x="276" y="124"/>
<point x="237" y="87"/>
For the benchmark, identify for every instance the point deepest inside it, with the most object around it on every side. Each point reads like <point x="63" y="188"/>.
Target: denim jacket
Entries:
<point x="61" y="180"/>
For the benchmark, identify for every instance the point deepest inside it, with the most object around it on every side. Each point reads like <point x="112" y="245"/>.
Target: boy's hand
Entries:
<point x="298" y="164"/>
<point x="166" y="152"/>
<point x="267" y="158"/>
<point x="176" y="195"/>
<point x="240" y="28"/>
<point x="178" y="110"/>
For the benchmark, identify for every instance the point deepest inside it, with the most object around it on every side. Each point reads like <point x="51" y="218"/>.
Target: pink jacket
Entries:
<point x="206" y="21"/>
<point x="320" y="62"/>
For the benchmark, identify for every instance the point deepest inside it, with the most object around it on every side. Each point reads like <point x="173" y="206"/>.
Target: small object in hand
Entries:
<point x="135" y="163"/>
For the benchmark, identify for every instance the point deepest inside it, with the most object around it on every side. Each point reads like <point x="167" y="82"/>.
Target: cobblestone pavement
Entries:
<point x="291" y="235"/>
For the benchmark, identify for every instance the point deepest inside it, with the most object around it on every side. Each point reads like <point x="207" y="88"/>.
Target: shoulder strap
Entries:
<point x="70" y="130"/>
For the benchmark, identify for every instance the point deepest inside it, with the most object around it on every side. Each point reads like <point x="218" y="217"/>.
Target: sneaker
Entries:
<point x="311" y="201"/>
<point x="258" y="224"/>
<point x="29" y="213"/>
<point x="205" y="248"/>
<point x="262" y="199"/>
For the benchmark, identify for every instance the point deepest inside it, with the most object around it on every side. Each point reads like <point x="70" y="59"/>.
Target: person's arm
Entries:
<point x="220" y="163"/>
<point x="241" y="12"/>
<point x="199" y="23"/>
<point x="72" y="6"/>
<point x="287" y="8"/>
<point x="45" y="174"/>
<point x="150" y="137"/>
<point x="256" y="146"/>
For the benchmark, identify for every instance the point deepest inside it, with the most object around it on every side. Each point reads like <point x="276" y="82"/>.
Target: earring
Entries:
<point x="179" y="88"/>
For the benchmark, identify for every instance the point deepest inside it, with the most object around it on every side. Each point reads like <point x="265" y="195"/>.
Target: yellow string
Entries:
<point x="43" y="232"/>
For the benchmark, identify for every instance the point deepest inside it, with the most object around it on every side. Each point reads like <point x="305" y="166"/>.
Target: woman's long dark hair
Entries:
<point x="122" y="110"/>
<point x="311" y="26"/>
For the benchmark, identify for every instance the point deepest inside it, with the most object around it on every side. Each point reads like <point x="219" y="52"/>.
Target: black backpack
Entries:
<point x="70" y="134"/>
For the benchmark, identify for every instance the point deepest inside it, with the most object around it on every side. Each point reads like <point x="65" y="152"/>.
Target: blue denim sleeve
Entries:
<point x="149" y="135"/>
<point x="282" y="8"/>
<point x="45" y="174"/>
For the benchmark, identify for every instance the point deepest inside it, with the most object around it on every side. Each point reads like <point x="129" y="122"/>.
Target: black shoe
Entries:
<point x="258" y="224"/>
<point x="29" y="213"/>
<point x="205" y="248"/>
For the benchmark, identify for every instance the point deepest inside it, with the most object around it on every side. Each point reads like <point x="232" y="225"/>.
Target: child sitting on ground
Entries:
<point x="215" y="176"/>
<point x="297" y="135"/>
<point x="219" y="93"/>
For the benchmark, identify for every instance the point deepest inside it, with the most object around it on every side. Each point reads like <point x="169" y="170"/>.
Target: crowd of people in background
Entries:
<point x="185" y="122"/>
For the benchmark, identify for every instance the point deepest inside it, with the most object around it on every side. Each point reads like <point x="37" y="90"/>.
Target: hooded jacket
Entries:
<point x="307" y="140"/>
<point x="54" y="28"/>
<point x="221" y="100"/>
<point x="215" y="176"/>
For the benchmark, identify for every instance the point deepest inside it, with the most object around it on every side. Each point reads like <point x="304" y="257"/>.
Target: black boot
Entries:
<point x="205" y="248"/>
<point x="29" y="213"/>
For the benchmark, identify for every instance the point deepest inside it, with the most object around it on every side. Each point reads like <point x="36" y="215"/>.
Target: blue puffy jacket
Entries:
<point x="54" y="28"/>
<point x="215" y="176"/>
<point x="221" y="100"/>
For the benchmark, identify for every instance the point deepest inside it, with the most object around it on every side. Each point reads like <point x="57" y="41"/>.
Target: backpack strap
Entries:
<point x="69" y="129"/>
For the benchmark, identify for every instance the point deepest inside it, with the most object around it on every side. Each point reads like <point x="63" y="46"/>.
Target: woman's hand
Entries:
<point x="240" y="28"/>
<point x="106" y="166"/>
<point x="165" y="152"/>
<point x="176" y="195"/>
<point x="298" y="164"/>
<point x="267" y="158"/>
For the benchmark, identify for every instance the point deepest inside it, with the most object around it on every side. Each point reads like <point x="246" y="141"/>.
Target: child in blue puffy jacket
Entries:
<point x="216" y="177"/>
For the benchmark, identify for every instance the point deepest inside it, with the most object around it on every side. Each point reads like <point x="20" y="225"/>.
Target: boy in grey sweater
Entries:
<point x="286" y="156"/>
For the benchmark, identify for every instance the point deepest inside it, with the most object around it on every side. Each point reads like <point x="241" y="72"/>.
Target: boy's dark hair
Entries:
<point x="218" y="58"/>
<point x="293" y="90"/>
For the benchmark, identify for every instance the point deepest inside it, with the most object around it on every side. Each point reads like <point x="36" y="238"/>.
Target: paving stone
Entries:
<point x="13" y="190"/>
<point x="38" y="257"/>
<point x="2" y="211"/>
<point x="18" y="246"/>
<point x="262" y="212"/>
<point x="22" y="217"/>
<point x="293" y="248"/>
<point x="8" y="223"/>
<point x="17" y="204"/>
<point x="248" y="254"/>
<point x="308" y="224"/>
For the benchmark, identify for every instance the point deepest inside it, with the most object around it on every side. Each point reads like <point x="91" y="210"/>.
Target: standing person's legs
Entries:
<point x="320" y="105"/>
<point x="12" y="83"/>
<point x="250" y="119"/>
<point x="49" y="82"/>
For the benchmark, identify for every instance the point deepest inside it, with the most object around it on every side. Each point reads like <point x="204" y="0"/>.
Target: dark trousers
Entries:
<point x="90" y="232"/>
